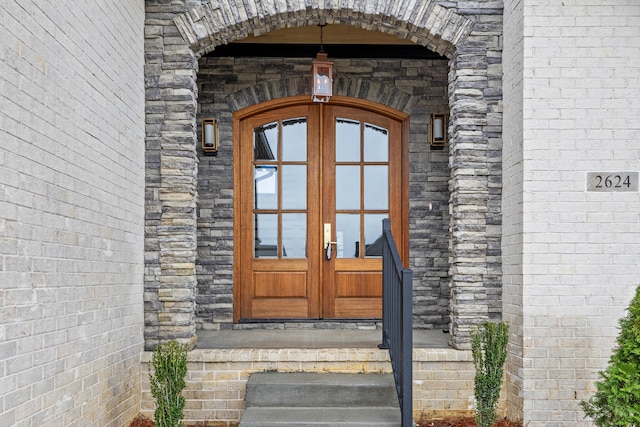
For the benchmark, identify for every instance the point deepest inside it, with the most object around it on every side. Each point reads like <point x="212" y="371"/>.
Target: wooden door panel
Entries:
<point x="277" y="269"/>
<point x="353" y="280"/>
<point x="269" y="284"/>
<point x="358" y="308"/>
<point x="365" y="264"/>
<point x="362" y="284"/>
<point x="280" y="308"/>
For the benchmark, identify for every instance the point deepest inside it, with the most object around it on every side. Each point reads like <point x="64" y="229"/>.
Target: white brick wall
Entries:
<point x="512" y="206"/>
<point x="71" y="211"/>
<point x="580" y="249"/>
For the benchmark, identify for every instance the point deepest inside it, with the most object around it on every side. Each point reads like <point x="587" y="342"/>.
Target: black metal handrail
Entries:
<point x="397" y="321"/>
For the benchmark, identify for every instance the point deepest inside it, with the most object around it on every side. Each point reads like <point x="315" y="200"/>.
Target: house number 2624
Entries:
<point x="612" y="181"/>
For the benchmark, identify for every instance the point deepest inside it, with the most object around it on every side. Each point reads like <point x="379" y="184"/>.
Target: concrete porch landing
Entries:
<point x="310" y="338"/>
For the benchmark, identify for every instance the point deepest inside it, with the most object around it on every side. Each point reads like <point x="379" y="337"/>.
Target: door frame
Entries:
<point x="358" y="103"/>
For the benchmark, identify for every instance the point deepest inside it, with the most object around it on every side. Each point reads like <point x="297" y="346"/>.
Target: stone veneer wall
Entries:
<point x="71" y="212"/>
<point x="178" y="33"/>
<point x="426" y="83"/>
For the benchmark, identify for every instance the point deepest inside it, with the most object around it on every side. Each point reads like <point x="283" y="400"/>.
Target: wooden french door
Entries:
<point x="313" y="183"/>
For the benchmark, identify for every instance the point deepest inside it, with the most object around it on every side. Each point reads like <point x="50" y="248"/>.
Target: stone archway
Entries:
<point x="176" y="36"/>
<point x="344" y="86"/>
<point x="429" y="24"/>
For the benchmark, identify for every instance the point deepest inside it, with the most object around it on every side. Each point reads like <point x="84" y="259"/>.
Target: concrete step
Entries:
<point x="321" y="417"/>
<point x="321" y="400"/>
<point x="273" y="389"/>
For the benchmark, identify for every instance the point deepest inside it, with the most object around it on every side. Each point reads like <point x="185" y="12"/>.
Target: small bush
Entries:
<point x="616" y="402"/>
<point x="489" y="349"/>
<point x="167" y="382"/>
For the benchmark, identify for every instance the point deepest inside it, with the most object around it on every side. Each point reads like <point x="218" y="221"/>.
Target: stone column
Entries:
<point x="170" y="280"/>
<point x="476" y="178"/>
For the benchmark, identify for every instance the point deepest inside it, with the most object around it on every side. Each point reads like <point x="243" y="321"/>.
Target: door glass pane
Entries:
<point x="266" y="235"/>
<point x="373" y="234"/>
<point x="266" y="187"/>
<point x="348" y="235"/>
<point x="294" y="235"/>
<point x="376" y="187"/>
<point x="347" y="187"/>
<point x="376" y="144"/>
<point x="294" y="187"/>
<point x="265" y="142"/>
<point x="347" y="140"/>
<point x="294" y="139"/>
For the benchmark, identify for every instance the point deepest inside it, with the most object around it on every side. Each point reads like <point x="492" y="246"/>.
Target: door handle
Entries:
<point x="327" y="241"/>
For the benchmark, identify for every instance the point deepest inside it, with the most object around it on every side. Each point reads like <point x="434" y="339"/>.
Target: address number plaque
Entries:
<point x="612" y="181"/>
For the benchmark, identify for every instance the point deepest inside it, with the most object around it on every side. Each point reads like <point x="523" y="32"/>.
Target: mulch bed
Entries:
<point x="142" y="421"/>
<point x="464" y="422"/>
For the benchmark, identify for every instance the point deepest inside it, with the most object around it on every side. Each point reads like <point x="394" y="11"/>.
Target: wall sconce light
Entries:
<point x="438" y="130"/>
<point x="321" y="75"/>
<point x="210" y="138"/>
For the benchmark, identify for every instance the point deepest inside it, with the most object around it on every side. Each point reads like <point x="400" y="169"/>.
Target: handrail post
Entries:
<point x="386" y="228"/>
<point x="407" y="345"/>
<point x="397" y="321"/>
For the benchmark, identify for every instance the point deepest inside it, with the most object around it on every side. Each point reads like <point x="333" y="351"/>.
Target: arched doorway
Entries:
<point x="171" y="74"/>
<point x="314" y="183"/>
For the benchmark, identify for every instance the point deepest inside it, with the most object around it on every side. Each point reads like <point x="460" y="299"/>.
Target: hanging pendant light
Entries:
<point x="321" y="75"/>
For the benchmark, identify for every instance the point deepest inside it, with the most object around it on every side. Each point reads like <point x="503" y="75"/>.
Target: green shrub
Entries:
<point x="167" y="382"/>
<point x="616" y="402"/>
<point x="489" y="349"/>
